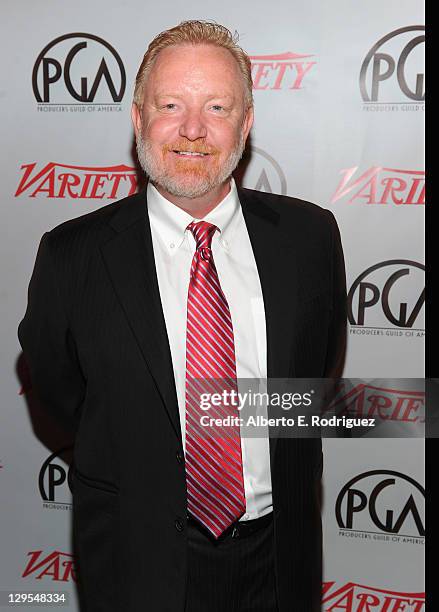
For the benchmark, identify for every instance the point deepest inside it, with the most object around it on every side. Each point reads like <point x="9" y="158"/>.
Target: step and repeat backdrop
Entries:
<point x="339" y="103"/>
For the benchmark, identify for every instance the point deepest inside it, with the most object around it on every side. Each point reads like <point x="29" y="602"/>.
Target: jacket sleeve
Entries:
<point x="336" y="350"/>
<point x="48" y="345"/>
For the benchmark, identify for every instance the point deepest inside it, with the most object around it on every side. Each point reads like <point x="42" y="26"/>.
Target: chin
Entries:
<point x="187" y="187"/>
<point x="187" y="191"/>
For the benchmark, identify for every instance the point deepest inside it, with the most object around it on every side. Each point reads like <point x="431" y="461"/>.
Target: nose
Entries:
<point x="192" y="126"/>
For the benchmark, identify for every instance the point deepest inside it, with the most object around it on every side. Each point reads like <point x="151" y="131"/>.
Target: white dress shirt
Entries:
<point x="174" y="247"/>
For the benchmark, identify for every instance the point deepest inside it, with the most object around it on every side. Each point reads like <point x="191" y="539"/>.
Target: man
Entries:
<point x="132" y="305"/>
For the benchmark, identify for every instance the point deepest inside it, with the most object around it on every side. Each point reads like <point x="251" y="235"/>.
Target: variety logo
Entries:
<point x="352" y="597"/>
<point x="382" y="502"/>
<point x="78" y="68"/>
<point x="393" y="69"/>
<point x="392" y="292"/>
<point x="379" y="185"/>
<point x="280" y="71"/>
<point x="259" y="170"/>
<point x="381" y="403"/>
<point x="77" y="182"/>
<point x="54" y="479"/>
<point x="57" y="566"/>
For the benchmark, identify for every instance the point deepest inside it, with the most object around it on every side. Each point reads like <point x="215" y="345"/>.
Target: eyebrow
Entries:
<point x="209" y="96"/>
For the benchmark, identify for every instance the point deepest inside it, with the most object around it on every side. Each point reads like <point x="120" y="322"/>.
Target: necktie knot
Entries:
<point x="203" y="233"/>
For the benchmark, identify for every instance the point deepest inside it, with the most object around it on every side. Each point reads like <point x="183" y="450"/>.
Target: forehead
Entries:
<point x="195" y="68"/>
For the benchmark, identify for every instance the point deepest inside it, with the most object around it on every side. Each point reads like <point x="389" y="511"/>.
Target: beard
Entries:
<point x="189" y="179"/>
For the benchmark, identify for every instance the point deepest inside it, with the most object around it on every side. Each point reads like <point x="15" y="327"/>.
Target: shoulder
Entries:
<point x="289" y="209"/>
<point x="95" y="226"/>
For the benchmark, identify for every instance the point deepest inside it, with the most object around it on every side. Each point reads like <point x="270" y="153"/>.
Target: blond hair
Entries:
<point x="195" y="32"/>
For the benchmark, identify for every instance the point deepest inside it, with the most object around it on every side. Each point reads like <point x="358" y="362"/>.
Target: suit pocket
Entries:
<point x="95" y="528"/>
<point x="96" y="484"/>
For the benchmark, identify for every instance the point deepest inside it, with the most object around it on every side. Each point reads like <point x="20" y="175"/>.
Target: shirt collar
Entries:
<point x="170" y="221"/>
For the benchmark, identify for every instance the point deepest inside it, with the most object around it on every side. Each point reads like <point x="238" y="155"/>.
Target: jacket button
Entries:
<point x="179" y="525"/>
<point x="180" y="457"/>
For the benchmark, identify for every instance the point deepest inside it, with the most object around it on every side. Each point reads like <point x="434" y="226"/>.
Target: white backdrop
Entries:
<point x="339" y="121"/>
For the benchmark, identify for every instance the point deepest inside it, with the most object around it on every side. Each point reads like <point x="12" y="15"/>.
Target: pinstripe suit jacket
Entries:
<point x="95" y="342"/>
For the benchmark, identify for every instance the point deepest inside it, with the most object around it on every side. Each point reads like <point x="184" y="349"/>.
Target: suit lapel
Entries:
<point x="276" y="263"/>
<point x="129" y="259"/>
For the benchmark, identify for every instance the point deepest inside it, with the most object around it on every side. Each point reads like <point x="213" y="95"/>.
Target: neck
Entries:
<point x="201" y="206"/>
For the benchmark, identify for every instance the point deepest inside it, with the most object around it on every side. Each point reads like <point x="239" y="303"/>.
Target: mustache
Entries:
<point x="190" y="147"/>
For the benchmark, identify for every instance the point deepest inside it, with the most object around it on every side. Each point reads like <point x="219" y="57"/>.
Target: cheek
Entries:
<point x="161" y="131"/>
<point x="225" y="135"/>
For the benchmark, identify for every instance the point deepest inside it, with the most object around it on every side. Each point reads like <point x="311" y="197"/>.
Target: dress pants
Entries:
<point x="233" y="574"/>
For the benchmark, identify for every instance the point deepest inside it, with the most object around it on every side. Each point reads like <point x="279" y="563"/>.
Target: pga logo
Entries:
<point x="394" y="67"/>
<point x="382" y="501"/>
<point x="54" y="479"/>
<point x="81" y="68"/>
<point x="390" y="292"/>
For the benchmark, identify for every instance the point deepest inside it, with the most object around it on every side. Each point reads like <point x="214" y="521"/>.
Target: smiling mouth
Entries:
<point x="196" y="154"/>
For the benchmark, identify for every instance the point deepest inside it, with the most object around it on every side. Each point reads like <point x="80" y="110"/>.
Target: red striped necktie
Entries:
<point x="215" y="484"/>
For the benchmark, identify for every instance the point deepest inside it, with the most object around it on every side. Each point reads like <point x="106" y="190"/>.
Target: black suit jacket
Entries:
<point x="95" y="341"/>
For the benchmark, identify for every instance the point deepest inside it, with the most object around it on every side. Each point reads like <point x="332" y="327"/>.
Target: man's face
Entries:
<point x="193" y="126"/>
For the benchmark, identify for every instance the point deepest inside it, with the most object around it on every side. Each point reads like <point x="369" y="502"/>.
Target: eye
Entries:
<point x="217" y="107"/>
<point x="169" y="106"/>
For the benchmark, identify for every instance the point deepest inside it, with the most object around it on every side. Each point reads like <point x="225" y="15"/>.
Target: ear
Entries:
<point x="136" y="118"/>
<point x="248" y="122"/>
